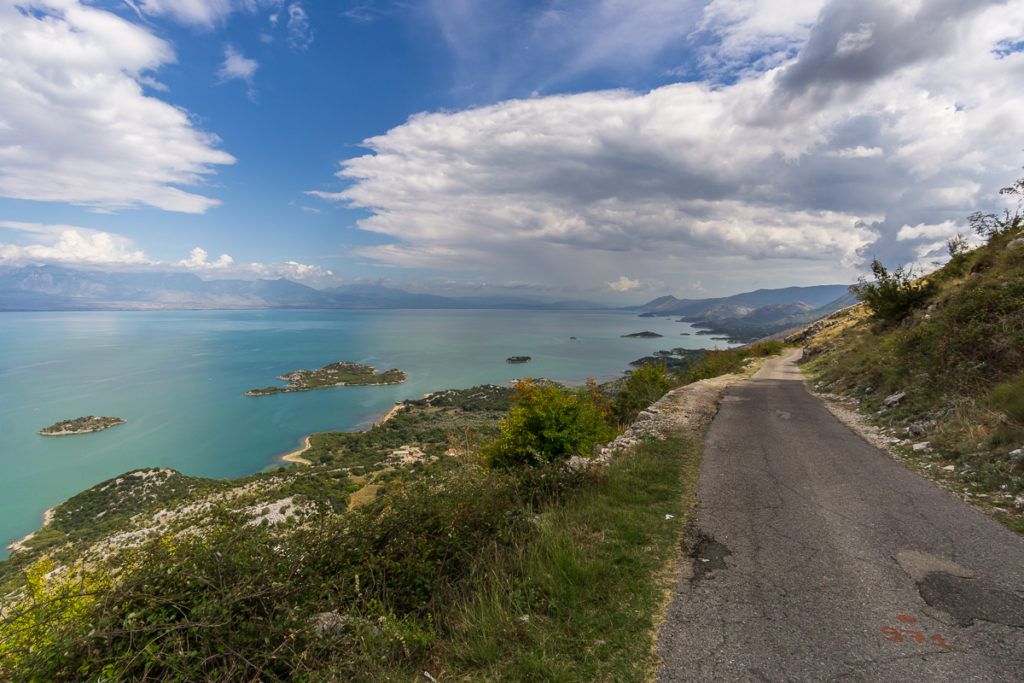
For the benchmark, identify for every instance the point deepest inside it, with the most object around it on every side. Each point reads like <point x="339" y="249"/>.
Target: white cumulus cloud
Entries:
<point x="87" y="248"/>
<point x="203" y="13"/>
<point x="943" y="230"/>
<point x="801" y="169"/>
<point x="197" y="260"/>
<point x="77" y="126"/>
<point x="68" y="244"/>
<point x="237" y="66"/>
<point x="623" y="284"/>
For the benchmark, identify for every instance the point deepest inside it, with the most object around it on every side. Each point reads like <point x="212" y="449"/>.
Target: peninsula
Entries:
<point x="339" y="374"/>
<point x="81" y="425"/>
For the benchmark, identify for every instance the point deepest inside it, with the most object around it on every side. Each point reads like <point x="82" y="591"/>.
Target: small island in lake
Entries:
<point x="641" y="335"/>
<point x="339" y="374"/>
<point x="518" y="359"/>
<point x="81" y="425"/>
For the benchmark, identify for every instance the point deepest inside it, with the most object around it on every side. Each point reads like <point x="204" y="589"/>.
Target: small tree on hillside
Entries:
<point x="548" y="425"/>
<point x="989" y="225"/>
<point x="893" y="295"/>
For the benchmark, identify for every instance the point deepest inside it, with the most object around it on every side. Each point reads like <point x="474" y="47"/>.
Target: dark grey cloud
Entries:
<point x="854" y="44"/>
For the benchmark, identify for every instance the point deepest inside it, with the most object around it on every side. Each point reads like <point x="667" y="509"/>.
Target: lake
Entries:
<point x="178" y="378"/>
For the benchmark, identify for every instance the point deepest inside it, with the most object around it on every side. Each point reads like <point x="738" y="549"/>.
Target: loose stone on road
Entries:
<point x="817" y="557"/>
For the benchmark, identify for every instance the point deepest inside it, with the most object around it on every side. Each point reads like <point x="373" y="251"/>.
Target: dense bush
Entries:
<point x="548" y="424"/>
<point x="1008" y="398"/>
<point x="893" y="295"/>
<point x="645" y="385"/>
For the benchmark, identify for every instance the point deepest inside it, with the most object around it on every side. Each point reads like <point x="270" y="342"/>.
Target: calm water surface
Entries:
<point x="178" y="378"/>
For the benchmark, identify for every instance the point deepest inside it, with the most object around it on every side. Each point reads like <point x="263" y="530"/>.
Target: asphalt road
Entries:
<point x="817" y="557"/>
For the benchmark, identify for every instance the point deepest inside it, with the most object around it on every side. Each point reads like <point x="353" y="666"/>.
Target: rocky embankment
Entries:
<point x="689" y="408"/>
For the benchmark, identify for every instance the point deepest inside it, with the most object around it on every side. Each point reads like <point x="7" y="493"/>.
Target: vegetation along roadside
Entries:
<point x="937" y="363"/>
<point x="467" y="567"/>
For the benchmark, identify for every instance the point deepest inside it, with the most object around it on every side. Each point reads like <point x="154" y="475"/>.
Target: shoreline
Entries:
<point x="294" y="390"/>
<point x="395" y="409"/>
<point x="296" y="455"/>
<point x="19" y="545"/>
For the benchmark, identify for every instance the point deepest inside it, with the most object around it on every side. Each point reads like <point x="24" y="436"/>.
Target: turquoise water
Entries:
<point x="178" y="377"/>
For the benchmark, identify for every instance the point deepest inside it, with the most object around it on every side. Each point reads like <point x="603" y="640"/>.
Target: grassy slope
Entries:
<point x="959" y="358"/>
<point x="580" y="602"/>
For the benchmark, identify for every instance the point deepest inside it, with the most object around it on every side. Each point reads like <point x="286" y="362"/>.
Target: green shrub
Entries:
<point x="547" y="424"/>
<point x="1008" y="397"/>
<point x="646" y="385"/>
<point x="893" y="295"/>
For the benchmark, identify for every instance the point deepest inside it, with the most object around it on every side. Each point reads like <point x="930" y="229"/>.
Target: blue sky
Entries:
<point x="605" y="150"/>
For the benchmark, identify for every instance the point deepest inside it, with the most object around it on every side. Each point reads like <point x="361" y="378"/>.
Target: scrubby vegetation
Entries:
<point x="954" y="349"/>
<point x="496" y="562"/>
<point x="471" y="574"/>
<point x="549" y="425"/>
<point x="892" y="296"/>
<point x="81" y="425"/>
<point x="435" y="424"/>
<point x="340" y="374"/>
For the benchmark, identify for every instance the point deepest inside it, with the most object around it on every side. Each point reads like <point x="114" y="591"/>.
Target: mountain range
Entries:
<point x="52" y="287"/>
<point x="752" y="315"/>
<point x="57" y="288"/>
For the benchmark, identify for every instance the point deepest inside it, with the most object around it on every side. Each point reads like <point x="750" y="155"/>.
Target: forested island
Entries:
<point x="339" y="374"/>
<point x="647" y="334"/>
<point x="81" y="425"/>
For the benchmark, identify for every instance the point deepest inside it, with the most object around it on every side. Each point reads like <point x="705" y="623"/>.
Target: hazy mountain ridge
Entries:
<point x="59" y="288"/>
<point x="815" y="296"/>
<point x="751" y="315"/>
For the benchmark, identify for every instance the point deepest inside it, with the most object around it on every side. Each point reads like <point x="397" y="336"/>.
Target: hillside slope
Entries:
<point x="746" y="317"/>
<point x="945" y="377"/>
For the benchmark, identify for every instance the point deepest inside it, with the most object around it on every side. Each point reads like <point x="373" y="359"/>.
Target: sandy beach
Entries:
<point x="391" y="413"/>
<point x="296" y="456"/>
<point x="16" y="546"/>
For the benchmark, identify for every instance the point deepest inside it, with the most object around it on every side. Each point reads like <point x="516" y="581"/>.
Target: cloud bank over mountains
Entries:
<point x="84" y="248"/>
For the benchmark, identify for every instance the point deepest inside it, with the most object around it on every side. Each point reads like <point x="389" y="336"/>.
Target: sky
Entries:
<point x="608" y="150"/>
